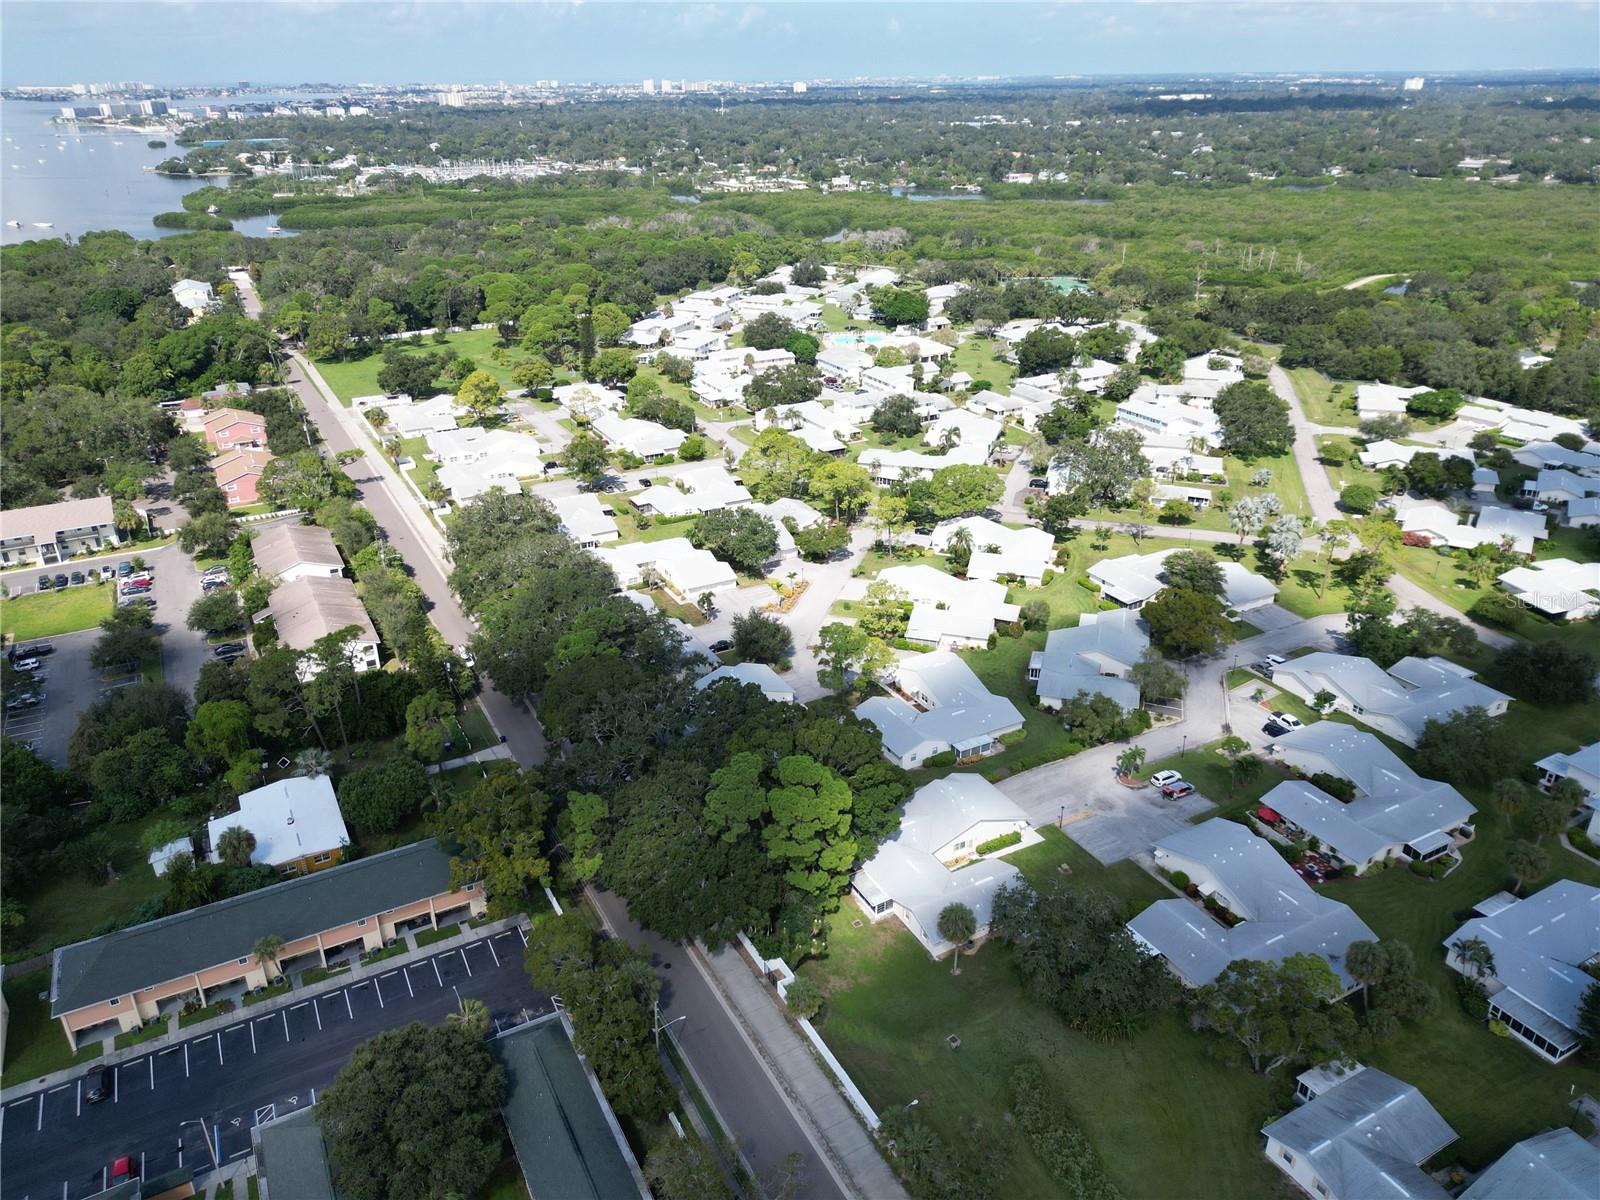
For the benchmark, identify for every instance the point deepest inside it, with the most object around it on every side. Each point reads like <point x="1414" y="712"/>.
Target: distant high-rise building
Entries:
<point x="452" y="99"/>
<point x="1414" y="84"/>
<point x="666" y="86"/>
<point x="649" y="87"/>
<point x="799" y="88"/>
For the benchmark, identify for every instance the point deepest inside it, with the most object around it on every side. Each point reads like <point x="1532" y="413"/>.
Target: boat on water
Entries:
<point x="15" y="224"/>
<point x="44" y="225"/>
<point x="273" y="229"/>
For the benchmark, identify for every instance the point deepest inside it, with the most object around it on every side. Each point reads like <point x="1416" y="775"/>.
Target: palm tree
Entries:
<point x="266" y="950"/>
<point x="959" y="549"/>
<point x="957" y="925"/>
<point x="472" y="1017"/>
<point x="1508" y="795"/>
<point x="235" y="845"/>
<point x="1368" y="962"/>
<point x="1526" y="862"/>
<point x="1130" y="760"/>
<point x="1475" y="955"/>
<point x="1548" y="816"/>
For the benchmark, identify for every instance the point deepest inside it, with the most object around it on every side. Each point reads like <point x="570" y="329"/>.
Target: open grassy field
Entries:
<point x="359" y="377"/>
<point x="1170" y="1117"/>
<point x="47" y="614"/>
<point x="980" y="358"/>
<point x="1325" y="401"/>
<point x="34" y="1042"/>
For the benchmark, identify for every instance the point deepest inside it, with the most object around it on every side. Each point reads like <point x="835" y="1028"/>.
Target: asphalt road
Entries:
<point x="735" y="1078"/>
<point x="167" y="1106"/>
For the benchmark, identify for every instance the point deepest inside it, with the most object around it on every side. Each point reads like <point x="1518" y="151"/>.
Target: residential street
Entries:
<point x="747" y="1098"/>
<point x="166" y="1106"/>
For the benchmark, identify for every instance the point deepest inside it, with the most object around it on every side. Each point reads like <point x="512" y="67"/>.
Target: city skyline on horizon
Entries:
<point x="481" y="44"/>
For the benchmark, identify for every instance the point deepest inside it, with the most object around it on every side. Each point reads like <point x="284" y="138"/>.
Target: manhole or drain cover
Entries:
<point x="955" y="1042"/>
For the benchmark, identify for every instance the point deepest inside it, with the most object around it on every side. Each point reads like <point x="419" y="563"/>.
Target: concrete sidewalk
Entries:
<point x="794" y="1067"/>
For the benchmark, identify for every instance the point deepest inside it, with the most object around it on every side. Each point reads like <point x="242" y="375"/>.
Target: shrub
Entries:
<point x="999" y="843"/>
<point x="1066" y="1153"/>
<point x="1474" y="1000"/>
<point x="804" y="997"/>
<point x="1015" y="738"/>
<point x="1336" y="786"/>
<point x="1180" y="880"/>
<point x="945" y="758"/>
<point x="1414" y="538"/>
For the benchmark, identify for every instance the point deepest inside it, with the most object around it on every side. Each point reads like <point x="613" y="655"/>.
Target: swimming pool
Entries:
<point x="870" y="338"/>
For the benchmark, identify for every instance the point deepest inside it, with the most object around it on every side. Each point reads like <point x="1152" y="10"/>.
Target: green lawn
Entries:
<point x="1286" y="484"/>
<point x="1168" y="1115"/>
<point x="429" y="936"/>
<point x="627" y="518"/>
<point x="980" y="358"/>
<point x="1325" y="401"/>
<point x="69" y="909"/>
<point x="506" y="1183"/>
<point x="48" y="614"/>
<point x="35" y="1045"/>
<point x="1352" y="471"/>
<point x="689" y="614"/>
<point x="425" y="471"/>
<point x="1004" y="671"/>
<point x="359" y="377"/>
<point x="157" y="1028"/>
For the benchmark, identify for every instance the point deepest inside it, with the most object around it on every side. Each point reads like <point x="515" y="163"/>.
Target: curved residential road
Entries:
<point x="1366" y="279"/>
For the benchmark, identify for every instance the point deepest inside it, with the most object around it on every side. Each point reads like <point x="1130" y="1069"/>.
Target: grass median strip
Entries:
<point x="49" y="614"/>
<point x="270" y="993"/>
<point x="157" y="1028"/>
<point x="429" y="936"/>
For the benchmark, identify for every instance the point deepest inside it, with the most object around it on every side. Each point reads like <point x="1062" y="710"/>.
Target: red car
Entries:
<point x="1177" y="791"/>
<point x="123" y="1169"/>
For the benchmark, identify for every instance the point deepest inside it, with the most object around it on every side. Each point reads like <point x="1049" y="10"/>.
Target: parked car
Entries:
<point x="227" y="648"/>
<point x="25" y="664"/>
<point x="1162" y="778"/>
<point x="211" y="585"/>
<point x="1177" y="791"/>
<point x="44" y="583"/>
<point x="35" y="650"/>
<point x="124" y="569"/>
<point x="135" y="589"/>
<point x="1039" y="484"/>
<point x="142" y="577"/>
<point x="101" y="1085"/>
<point x="215" y="572"/>
<point x="61" y="581"/>
<point x="1287" y="720"/>
<point x="78" y="578"/>
<point x="147" y="601"/>
<point x="721" y="647"/>
<point x="1275" y="660"/>
<point x="26" y="700"/>
<point x="107" y="573"/>
<point x="552" y="466"/>
<point x="123" y="1169"/>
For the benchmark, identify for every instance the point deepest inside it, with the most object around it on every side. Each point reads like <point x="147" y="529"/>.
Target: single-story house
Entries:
<point x="1556" y="485"/>
<point x="1197" y="498"/>
<point x="422" y="417"/>
<point x="473" y="445"/>
<point x="702" y="488"/>
<point x="644" y="439"/>
<point x="686" y="572"/>
<point x="229" y="427"/>
<point x="584" y="520"/>
<point x="1133" y="580"/>
<point x="238" y="473"/>
<point x="1398" y="702"/>
<point x="1093" y="656"/>
<point x="1543" y="456"/>
<point x="1388" y="453"/>
<point x="949" y="612"/>
<point x="1539" y="944"/>
<point x="787" y="509"/>
<point x="1384" y="399"/>
<point x="587" y="401"/>
<point x="47" y="534"/>
<point x="760" y="675"/>
<point x="312" y="607"/>
<point x="965" y="428"/>
<point x="194" y="294"/>
<point x="937" y="705"/>
<point x="1167" y="418"/>
<point x="891" y="466"/>
<point x="139" y="974"/>
<point x="1365" y="1136"/>
<point x="287" y="551"/>
<point x="1583" y="767"/>
<point x="1026" y="553"/>
<point x="1557" y="587"/>
<point x="296" y="822"/>
<point x="929" y="864"/>
<point x="1557" y="1164"/>
<point x="1367" y="831"/>
<point x="1280" y="914"/>
<point x="1582" y="514"/>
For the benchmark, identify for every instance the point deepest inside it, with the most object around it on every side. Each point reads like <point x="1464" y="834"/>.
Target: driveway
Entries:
<point x="177" y="587"/>
<point x="1121" y="822"/>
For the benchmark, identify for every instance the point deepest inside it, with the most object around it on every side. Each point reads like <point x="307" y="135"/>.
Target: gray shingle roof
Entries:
<point x="566" y="1146"/>
<point x="116" y="964"/>
<point x="293" y="1159"/>
<point x="1557" y="1165"/>
<point x="1367" y="1136"/>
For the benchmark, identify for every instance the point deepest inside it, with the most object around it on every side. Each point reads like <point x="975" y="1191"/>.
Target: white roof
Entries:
<point x="910" y="462"/>
<point x="786" y="508"/>
<point x="762" y="676"/>
<point x="582" y="517"/>
<point x="1071" y="661"/>
<point x="999" y="549"/>
<point x="290" y="818"/>
<point x="588" y="399"/>
<point x="970" y="429"/>
<point x="944" y="606"/>
<point x="1411" y="692"/>
<point x="644" y="438"/>
<point x="422" y="416"/>
<point x="959" y="713"/>
<point x="1135" y="578"/>
<point x="1555" y="585"/>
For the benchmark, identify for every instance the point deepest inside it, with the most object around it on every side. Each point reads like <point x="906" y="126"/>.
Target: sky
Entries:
<point x="431" y="41"/>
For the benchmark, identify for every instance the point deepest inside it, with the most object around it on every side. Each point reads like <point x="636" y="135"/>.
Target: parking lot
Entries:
<point x="70" y="684"/>
<point x="194" y="1103"/>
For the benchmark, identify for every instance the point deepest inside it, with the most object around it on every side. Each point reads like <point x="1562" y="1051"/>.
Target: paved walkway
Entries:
<point x="487" y="754"/>
<point x="1319" y="489"/>
<point x="789" y="1059"/>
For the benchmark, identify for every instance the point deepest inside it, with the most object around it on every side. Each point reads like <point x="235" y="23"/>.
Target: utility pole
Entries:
<point x="660" y="1027"/>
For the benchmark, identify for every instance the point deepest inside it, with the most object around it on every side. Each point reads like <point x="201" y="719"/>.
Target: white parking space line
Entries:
<point x="523" y="936"/>
<point x="252" y="1037"/>
<point x="116" y="1085"/>
<point x="378" y="990"/>
<point x="152" y="1072"/>
<point x="409" y="989"/>
<point x="464" y="962"/>
<point x="186" y="1060"/>
<point x="316" y="1012"/>
<point x="492" y="951"/>
<point x="40" y="1123"/>
<point x="286" y="1037"/>
<point x="347" y="1007"/>
<point x="2" y="1122"/>
<point x="436" y="974"/>
<point x="220" y="1061"/>
<point x="79" y="1113"/>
